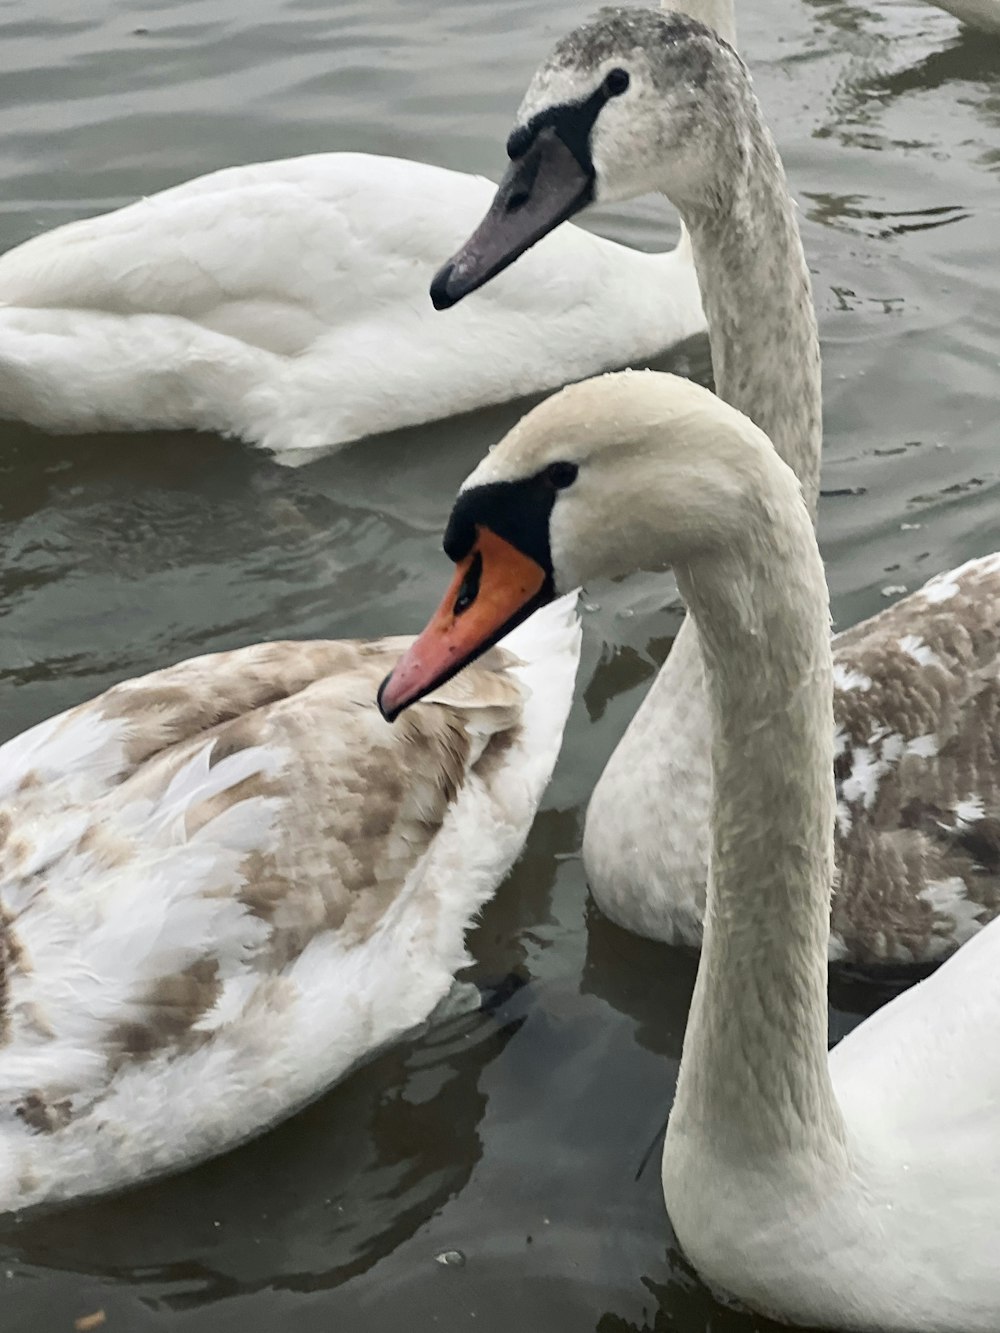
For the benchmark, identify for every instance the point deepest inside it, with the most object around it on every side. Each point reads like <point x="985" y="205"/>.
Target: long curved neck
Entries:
<point x="754" y="1077"/>
<point x="765" y="352"/>
<point x="758" y="303"/>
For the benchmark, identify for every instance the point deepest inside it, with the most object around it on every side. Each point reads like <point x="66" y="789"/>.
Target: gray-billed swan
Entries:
<point x="640" y="101"/>
<point x="857" y="1191"/>
<point x="223" y="884"/>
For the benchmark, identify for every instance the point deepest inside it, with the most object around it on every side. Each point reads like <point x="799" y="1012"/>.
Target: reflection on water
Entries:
<point x="526" y="1138"/>
<point x="329" y="1204"/>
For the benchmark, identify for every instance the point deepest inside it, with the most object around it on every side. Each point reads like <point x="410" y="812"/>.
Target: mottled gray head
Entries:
<point x="634" y="101"/>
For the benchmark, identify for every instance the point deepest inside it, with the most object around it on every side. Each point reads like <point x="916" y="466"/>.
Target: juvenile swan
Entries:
<point x="856" y="1192"/>
<point x="224" y="884"/>
<point x="639" y="101"/>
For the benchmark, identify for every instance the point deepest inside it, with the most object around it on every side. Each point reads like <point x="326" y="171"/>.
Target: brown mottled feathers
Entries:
<point x="357" y="802"/>
<point x="918" y="771"/>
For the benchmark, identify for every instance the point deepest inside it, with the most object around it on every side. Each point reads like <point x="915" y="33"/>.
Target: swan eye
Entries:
<point x="616" y="82"/>
<point x="561" y="475"/>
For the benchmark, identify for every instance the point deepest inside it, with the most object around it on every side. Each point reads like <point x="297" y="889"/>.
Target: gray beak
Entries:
<point x="541" y="189"/>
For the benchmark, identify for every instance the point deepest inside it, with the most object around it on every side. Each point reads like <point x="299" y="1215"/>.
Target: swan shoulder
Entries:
<point x="224" y="883"/>
<point x="918" y="769"/>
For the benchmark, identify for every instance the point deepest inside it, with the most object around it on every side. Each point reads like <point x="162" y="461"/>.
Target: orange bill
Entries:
<point x="495" y="587"/>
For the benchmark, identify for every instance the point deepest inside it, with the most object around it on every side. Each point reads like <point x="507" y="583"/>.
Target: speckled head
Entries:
<point x="637" y="99"/>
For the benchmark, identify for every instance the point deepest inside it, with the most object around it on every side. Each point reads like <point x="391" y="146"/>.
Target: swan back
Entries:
<point x="272" y="301"/>
<point x="225" y="883"/>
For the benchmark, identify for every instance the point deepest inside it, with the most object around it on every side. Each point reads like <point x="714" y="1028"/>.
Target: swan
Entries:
<point x="285" y="303"/>
<point x="856" y="1191"/>
<point x="643" y="100"/>
<point x="225" y="883"/>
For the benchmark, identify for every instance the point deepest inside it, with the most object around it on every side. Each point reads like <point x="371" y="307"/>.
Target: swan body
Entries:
<point x="917" y="764"/>
<point x="285" y="303"/>
<point x="855" y="1191"/>
<point x="918" y="751"/>
<point x="224" y="884"/>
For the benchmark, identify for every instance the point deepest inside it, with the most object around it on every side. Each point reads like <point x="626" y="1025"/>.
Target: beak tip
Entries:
<point x="388" y="712"/>
<point x="441" y="297"/>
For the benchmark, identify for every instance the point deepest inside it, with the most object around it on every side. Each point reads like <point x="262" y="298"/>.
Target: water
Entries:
<point x="526" y="1138"/>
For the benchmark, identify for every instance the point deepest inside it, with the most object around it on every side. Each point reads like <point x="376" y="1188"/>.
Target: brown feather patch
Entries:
<point x="921" y="704"/>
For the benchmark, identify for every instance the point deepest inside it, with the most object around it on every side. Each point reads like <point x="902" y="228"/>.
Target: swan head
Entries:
<point x="630" y="471"/>
<point x="635" y="101"/>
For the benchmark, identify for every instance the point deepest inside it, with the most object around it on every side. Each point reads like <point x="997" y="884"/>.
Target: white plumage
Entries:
<point x="223" y="884"/>
<point x="286" y="303"/>
<point x="850" y="1191"/>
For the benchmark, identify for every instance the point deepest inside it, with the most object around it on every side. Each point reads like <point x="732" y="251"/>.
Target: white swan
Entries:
<point x="916" y="843"/>
<point x="223" y="884"/>
<point x="858" y="1192"/>
<point x="285" y="303"/>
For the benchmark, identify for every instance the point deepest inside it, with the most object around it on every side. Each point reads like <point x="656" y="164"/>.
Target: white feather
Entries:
<point x="286" y="303"/>
<point x="204" y="941"/>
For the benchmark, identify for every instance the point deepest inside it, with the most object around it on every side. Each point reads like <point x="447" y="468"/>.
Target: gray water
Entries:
<point x="524" y="1138"/>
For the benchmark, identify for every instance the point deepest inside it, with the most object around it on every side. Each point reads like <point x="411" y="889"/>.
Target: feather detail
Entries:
<point x="918" y="771"/>
<point x="225" y="883"/>
<point x="185" y="310"/>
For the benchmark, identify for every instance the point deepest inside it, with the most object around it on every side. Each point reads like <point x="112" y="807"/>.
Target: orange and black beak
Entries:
<point x="495" y="588"/>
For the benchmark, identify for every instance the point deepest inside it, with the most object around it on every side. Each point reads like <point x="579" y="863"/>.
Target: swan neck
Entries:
<point x="758" y="303"/>
<point x="754" y="1076"/>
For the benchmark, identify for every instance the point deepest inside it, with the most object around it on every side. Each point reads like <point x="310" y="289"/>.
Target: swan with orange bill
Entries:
<point x="855" y="1191"/>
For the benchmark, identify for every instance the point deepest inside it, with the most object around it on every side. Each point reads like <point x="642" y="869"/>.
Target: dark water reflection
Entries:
<point x="525" y="1139"/>
<point x="329" y="1205"/>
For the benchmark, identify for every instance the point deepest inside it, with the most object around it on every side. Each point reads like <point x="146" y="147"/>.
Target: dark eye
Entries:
<point x="616" y="82"/>
<point x="561" y="475"/>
